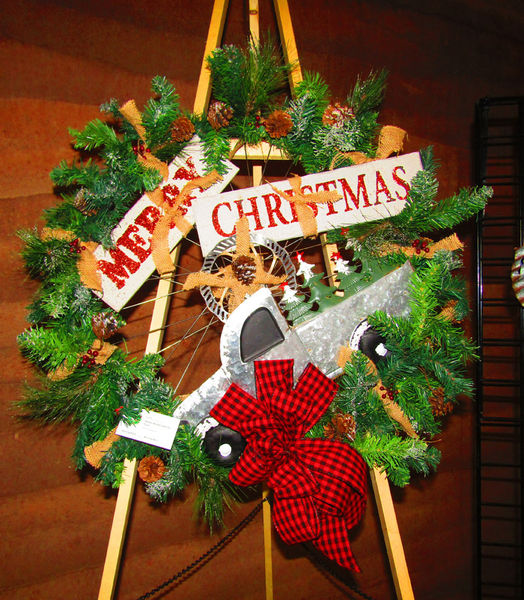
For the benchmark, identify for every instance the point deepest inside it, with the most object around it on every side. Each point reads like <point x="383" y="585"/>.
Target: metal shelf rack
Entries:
<point x="500" y="335"/>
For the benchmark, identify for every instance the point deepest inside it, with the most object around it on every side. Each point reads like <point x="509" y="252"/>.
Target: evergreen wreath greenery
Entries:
<point x="427" y="351"/>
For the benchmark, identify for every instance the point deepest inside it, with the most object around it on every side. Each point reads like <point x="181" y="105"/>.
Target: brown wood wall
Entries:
<point x="58" y="61"/>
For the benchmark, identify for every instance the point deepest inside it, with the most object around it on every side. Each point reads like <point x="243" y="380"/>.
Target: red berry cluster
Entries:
<point x="117" y="410"/>
<point x="140" y="148"/>
<point x="89" y="358"/>
<point x="420" y="246"/>
<point x="75" y="246"/>
<point x="388" y="393"/>
<point x="258" y="121"/>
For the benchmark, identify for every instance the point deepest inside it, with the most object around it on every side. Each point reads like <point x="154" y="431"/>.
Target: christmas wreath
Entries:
<point x="401" y="375"/>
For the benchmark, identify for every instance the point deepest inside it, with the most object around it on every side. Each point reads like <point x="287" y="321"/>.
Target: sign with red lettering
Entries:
<point x="124" y="268"/>
<point x="366" y="192"/>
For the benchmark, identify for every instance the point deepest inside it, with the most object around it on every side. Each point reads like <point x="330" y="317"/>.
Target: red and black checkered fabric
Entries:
<point x="319" y="485"/>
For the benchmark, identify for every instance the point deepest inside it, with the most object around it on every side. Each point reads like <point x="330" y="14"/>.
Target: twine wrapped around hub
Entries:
<point x="228" y="281"/>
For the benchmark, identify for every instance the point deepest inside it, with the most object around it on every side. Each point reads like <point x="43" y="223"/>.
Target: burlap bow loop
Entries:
<point x="302" y="204"/>
<point x="390" y="141"/>
<point x="319" y="486"/>
<point x="175" y="209"/>
<point x="130" y="111"/>
<point x="87" y="262"/>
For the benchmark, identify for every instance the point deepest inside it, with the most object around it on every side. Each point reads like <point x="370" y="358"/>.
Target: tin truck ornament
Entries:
<point x="257" y="330"/>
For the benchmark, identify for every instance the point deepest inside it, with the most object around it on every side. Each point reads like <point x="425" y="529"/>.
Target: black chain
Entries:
<point x="324" y="563"/>
<point x="186" y="572"/>
<point x="207" y="556"/>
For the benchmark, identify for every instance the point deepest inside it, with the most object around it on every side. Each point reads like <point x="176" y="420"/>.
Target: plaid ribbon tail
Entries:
<point x="296" y="520"/>
<point x="334" y="542"/>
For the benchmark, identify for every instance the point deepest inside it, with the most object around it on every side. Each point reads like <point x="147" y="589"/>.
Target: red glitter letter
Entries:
<point x="382" y="188"/>
<point x="355" y="198"/>
<point x="274" y="210"/>
<point x="214" y="218"/>
<point x="401" y="182"/>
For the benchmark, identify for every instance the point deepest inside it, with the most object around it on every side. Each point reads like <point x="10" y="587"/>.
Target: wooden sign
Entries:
<point x="124" y="268"/>
<point x="366" y="192"/>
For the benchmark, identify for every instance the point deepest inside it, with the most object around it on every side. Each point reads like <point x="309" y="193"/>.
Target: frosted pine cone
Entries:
<point x="80" y="203"/>
<point x="219" y="115"/>
<point x="104" y="325"/>
<point x="337" y="114"/>
<point x="439" y="407"/>
<point x="342" y="426"/>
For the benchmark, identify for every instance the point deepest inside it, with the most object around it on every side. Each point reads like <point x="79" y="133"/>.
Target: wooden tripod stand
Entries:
<point x="257" y="154"/>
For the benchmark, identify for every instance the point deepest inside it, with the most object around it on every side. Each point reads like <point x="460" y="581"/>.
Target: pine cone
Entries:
<point x="244" y="269"/>
<point x="151" y="468"/>
<point x="219" y="115"/>
<point x="182" y="129"/>
<point x="278" y="124"/>
<point x="337" y="114"/>
<point x="80" y="203"/>
<point x="104" y="325"/>
<point x="439" y="406"/>
<point x="342" y="426"/>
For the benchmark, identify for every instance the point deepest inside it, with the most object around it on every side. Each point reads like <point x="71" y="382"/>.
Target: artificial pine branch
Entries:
<point x="96" y="134"/>
<point x="367" y="94"/>
<point x="397" y="456"/>
<point x="247" y="80"/>
<point x="159" y="114"/>
<point x="76" y="173"/>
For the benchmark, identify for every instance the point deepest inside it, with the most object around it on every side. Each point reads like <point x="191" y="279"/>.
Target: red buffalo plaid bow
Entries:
<point x="319" y="486"/>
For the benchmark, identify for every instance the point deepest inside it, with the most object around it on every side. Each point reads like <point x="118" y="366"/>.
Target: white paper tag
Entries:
<point x="153" y="428"/>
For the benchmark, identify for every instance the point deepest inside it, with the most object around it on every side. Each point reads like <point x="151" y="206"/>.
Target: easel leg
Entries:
<point x="266" y="509"/>
<point x="388" y="520"/>
<point x="268" y="559"/>
<point x="118" y="528"/>
<point x="126" y="489"/>
<point x="382" y="492"/>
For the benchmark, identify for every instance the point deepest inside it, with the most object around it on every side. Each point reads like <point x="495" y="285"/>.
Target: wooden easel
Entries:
<point x="263" y="152"/>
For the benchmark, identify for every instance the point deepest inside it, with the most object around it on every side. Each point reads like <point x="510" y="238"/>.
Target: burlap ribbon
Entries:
<point x="225" y="283"/>
<point x="174" y="211"/>
<point x="390" y="406"/>
<point x="103" y="351"/>
<point x="130" y="111"/>
<point x="95" y="452"/>
<point x="390" y="141"/>
<point x="451" y="243"/>
<point x="300" y="204"/>
<point x="87" y="262"/>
